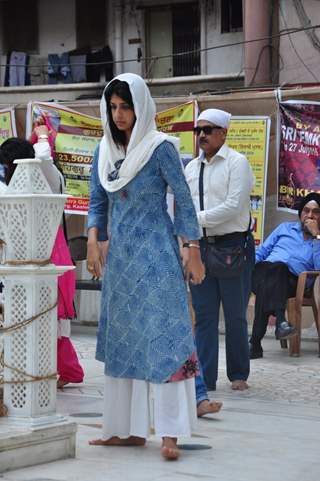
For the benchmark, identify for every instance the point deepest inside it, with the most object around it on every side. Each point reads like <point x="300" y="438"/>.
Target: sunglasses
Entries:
<point x="207" y="129"/>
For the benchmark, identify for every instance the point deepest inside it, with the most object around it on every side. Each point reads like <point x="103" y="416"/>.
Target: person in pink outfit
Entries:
<point x="68" y="366"/>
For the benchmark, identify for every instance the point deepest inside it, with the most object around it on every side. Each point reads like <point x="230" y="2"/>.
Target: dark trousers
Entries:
<point x="206" y="299"/>
<point x="273" y="284"/>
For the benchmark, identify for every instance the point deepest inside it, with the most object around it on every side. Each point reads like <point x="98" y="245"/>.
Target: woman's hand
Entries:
<point x="41" y="130"/>
<point x="104" y="247"/>
<point x="96" y="253"/>
<point x="195" y="270"/>
<point x="95" y="260"/>
<point x="184" y="254"/>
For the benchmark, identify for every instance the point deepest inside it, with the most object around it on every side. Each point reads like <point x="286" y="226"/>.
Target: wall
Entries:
<point x="1" y="39"/>
<point x="133" y="28"/>
<point x="46" y="93"/>
<point x="57" y="26"/>
<point x="298" y="49"/>
<point x="239" y="103"/>
<point x="228" y="60"/>
<point x="57" y="33"/>
<point x="223" y="61"/>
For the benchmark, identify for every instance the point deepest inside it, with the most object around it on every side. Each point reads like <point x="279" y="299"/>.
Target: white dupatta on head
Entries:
<point x="143" y="141"/>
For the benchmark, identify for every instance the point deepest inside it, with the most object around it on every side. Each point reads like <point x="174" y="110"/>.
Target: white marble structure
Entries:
<point x="33" y="432"/>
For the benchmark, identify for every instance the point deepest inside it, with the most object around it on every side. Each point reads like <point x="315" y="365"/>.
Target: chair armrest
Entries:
<point x="302" y="279"/>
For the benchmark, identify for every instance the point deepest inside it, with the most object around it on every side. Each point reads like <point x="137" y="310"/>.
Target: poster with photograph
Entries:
<point x="7" y="124"/>
<point x="250" y="137"/>
<point x="179" y="121"/>
<point x="298" y="152"/>
<point x="75" y="137"/>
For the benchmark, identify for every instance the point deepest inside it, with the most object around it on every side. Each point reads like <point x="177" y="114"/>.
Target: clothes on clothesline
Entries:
<point x="16" y="74"/>
<point x="59" y="68"/>
<point x="106" y="69"/>
<point x="74" y="66"/>
<point x="36" y="70"/>
<point x="78" y="68"/>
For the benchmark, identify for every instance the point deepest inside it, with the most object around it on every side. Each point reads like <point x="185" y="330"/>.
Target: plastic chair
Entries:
<point x="304" y="297"/>
<point x="78" y="251"/>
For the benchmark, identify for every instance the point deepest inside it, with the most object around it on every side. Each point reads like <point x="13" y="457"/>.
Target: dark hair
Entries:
<point x="12" y="149"/>
<point x="121" y="89"/>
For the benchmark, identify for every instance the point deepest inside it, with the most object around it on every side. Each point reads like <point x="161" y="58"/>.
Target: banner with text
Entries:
<point x="250" y="136"/>
<point x="298" y="152"/>
<point x="75" y="136"/>
<point x="179" y="121"/>
<point x="7" y="124"/>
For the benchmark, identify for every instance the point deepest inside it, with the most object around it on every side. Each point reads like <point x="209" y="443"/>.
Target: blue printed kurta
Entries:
<point x="145" y="328"/>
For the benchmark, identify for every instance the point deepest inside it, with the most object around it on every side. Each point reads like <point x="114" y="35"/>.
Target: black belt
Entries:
<point x="212" y="239"/>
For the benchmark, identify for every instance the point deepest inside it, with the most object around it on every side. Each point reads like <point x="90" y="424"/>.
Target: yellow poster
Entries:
<point x="179" y="121"/>
<point x="250" y="136"/>
<point x="74" y="137"/>
<point x="7" y="124"/>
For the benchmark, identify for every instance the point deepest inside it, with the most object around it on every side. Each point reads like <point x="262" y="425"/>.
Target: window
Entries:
<point x="231" y="16"/>
<point x="171" y="29"/>
<point x="20" y="26"/>
<point x="186" y="37"/>
<point x="91" y="23"/>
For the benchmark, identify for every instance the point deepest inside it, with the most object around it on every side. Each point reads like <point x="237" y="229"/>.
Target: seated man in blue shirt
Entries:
<point x="293" y="247"/>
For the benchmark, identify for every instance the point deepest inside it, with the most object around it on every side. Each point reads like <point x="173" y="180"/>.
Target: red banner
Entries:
<point x="299" y="152"/>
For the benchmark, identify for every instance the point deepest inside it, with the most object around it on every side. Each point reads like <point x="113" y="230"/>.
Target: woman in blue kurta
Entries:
<point x="144" y="335"/>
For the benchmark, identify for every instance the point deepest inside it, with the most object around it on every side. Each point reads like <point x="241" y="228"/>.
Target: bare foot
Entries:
<point x="208" y="407"/>
<point x="239" y="385"/>
<point x="61" y="383"/>
<point x="169" y="449"/>
<point x="116" y="441"/>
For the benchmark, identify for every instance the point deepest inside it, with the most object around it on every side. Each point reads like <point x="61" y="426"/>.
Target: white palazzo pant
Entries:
<point x="131" y="407"/>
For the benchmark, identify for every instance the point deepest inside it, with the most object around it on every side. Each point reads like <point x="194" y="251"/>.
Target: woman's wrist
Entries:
<point x="194" y="252"/>
<point x="192" y="244"/>
<point x="92" y="236"/>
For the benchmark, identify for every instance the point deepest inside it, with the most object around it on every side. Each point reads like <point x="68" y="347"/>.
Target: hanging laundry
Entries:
<point x="78" y="68"/>
<point x="104" y="58"/>
<point x="59" y="68"/>
<point x="3" y="68"/>
<point x="17" y="69"/>
<point x="37" y="71"/>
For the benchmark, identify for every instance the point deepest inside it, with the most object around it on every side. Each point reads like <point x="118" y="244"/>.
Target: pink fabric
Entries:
<point x="67" y="282"/>
<point x="69" y="368"/>
<point x="189" y="369"/>
<point x="51" y="138"/>
<point x="68" y="365"/>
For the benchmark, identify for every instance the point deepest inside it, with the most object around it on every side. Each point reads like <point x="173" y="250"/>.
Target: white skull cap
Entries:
<point x="216" y="117"/>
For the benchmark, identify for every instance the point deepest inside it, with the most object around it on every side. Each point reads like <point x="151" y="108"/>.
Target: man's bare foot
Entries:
<point x="169" y="449"/>
<point x="208" y="407"/>
<point x="239" y="385"/>
<point x="116" y="441"/>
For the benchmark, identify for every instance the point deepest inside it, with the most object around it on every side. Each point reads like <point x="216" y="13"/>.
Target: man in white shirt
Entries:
<point x="225" y="216"/>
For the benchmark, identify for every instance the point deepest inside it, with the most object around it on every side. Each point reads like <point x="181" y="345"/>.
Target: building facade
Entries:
<point x="147" y="37"/>
<point x="203" y="40"/>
